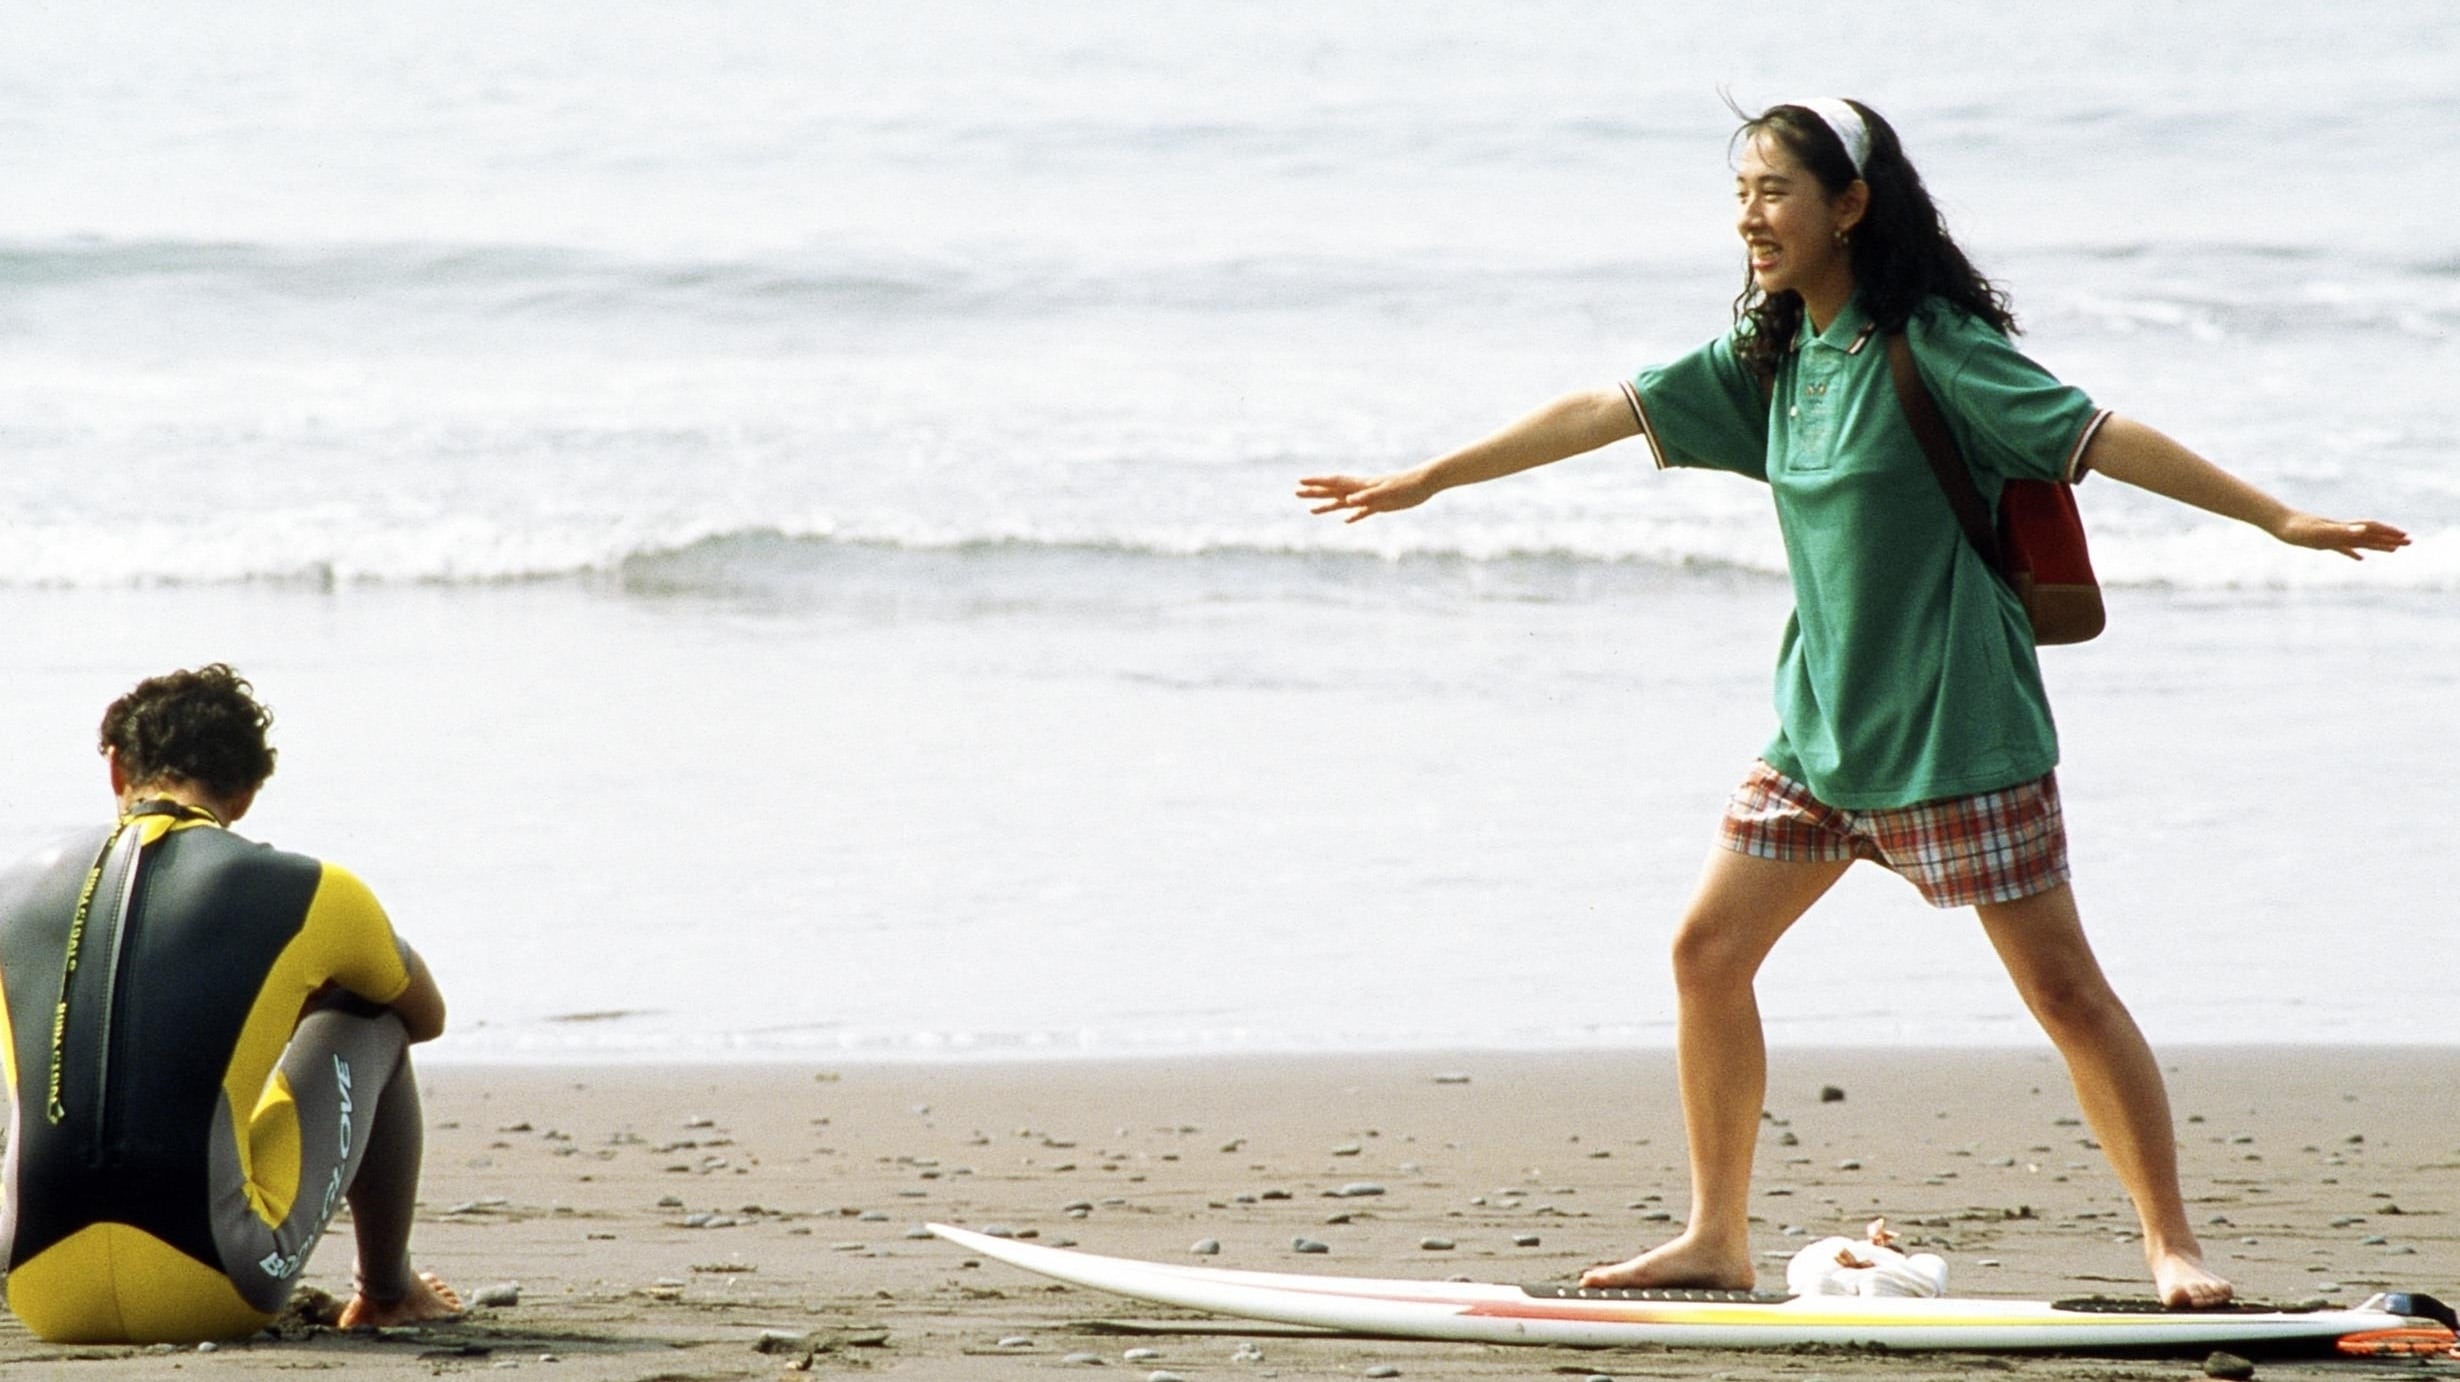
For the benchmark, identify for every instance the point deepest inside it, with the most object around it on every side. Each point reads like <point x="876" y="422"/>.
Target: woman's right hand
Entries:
<point x="1405" y="489"/>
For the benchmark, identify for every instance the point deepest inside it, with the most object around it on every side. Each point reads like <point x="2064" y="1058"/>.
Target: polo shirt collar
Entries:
<point x="1850" y="332"/>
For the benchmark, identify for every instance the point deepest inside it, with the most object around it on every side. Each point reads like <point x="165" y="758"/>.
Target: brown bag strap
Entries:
<point x="1945" y="462"/>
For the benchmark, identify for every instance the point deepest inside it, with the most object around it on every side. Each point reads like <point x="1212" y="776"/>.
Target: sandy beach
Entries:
<point x="718" y="1222"/>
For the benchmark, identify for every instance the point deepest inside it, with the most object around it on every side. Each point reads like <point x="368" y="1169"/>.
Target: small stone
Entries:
<point x="1452" y="1077"/>
<point x="209" y="1346"/>
<point x="1142" y="1355"/>
<point x="1015" y="1341"/>
<point x="1163" y="1375"/>
<point x="1381" y="1370"/>
<point x="1830" y="1094"/>
<point x="1849" y="1164"/>
<point x="2228" y="1365"/>
<point x="1348" y="1149"/>
<point x="1083" y="1360"/>
<point x="1309" y="1245"/>
<point x="1206" y="1247"/>
<point x="1357" y="1189"/>
<point x="502" y="1295"/>
<point x="1436" y="1244"/>
<point x="780" y="1341"/>
<point x="1524" y="1240"/>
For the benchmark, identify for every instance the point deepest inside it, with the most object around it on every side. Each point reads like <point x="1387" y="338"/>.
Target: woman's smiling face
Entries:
<point x="1789" y="225"/>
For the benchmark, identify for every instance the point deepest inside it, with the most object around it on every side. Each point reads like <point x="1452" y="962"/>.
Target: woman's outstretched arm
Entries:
<point x="1570" y="425"/>
<point x="2127" y="450"/>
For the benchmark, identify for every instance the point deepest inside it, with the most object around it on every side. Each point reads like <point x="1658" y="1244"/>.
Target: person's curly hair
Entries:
<point x="204" y="725"/>
<point x="1902" y="252"/>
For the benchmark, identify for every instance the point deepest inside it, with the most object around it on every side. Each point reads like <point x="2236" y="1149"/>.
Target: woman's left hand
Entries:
<point x="2351" y="540"/>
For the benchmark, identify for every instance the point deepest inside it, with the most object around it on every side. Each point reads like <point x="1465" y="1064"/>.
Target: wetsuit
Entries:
<point x="173" y="1151"/>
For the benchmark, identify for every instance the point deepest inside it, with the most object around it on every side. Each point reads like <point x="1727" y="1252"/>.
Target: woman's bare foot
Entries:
<point x="1681" y="1264"/>
<point x="2186" y="1283"/>
<point x="428" y="1300"/>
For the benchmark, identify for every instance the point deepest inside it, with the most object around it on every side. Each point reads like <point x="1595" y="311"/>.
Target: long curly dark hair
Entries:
<point x="1902" y="252"/>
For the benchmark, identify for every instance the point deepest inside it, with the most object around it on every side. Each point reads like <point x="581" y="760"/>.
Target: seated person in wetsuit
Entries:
<point x="206" y="1046"/>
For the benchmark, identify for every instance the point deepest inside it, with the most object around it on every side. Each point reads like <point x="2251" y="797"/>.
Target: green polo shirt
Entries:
<point x="1907" y="672"/>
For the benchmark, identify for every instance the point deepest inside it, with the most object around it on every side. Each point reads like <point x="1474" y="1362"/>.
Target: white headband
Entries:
<point x="1852" y="130"/>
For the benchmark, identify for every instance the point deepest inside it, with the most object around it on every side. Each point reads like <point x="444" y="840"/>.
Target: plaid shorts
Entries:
<point x="1960" y="851"/>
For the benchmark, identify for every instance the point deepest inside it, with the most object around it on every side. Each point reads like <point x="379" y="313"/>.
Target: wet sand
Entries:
<point x="719" y="1222"/>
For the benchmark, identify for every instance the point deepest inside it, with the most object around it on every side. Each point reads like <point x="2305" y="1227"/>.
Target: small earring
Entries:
<point x="1841" y="241"/>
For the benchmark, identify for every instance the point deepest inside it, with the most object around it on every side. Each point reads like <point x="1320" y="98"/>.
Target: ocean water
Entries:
<point x="767" y="527"/>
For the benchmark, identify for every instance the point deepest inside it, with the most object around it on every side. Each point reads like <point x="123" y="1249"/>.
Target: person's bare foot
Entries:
<point x="427" y="1301"/>
<point x="2185" y="1283"/>
<point x="1681" y="1264"/>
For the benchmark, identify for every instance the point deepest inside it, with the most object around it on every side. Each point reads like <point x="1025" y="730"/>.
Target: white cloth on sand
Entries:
<point x="1865" y="1266"/>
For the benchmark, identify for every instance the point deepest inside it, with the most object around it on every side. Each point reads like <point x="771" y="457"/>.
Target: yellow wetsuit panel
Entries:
<point x="345" y="938"/>
<point x="8" y="1041"/>
<point x="273" y="1152"/>
<point x="158" y="1294"/>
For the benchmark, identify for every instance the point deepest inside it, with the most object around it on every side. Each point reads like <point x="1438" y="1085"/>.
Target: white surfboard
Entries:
<point x="1570" y="1316"/>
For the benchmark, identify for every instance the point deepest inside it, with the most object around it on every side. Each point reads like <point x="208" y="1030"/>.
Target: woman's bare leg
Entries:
<point x="1740" y="909"/>
<point x="2118" y="1083"/>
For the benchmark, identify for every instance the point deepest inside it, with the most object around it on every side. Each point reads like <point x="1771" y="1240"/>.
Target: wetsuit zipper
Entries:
<point x="106" y="1107"/>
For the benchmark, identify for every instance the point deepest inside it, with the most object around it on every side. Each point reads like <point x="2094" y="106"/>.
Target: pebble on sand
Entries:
<point x="1309" y="1245"/>
<point x="2228" y="1365"/>
<point x="1206" y="1247"/>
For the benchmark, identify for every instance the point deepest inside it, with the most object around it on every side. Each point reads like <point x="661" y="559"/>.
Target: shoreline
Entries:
<point x="659" y="1219"/>
<point x="580" y="1057"/>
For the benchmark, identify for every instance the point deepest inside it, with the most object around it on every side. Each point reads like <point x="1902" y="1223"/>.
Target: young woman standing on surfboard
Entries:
<point x="1913" y="728"/>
